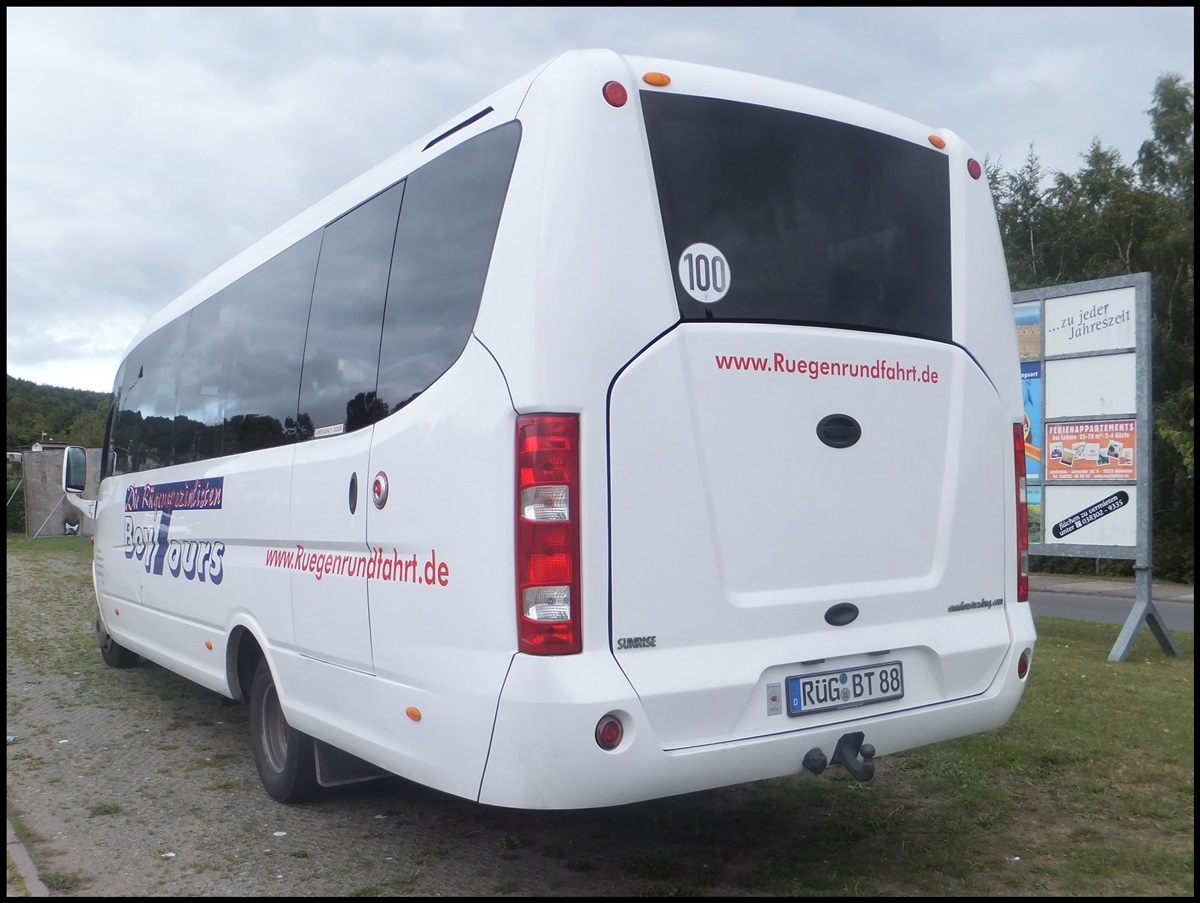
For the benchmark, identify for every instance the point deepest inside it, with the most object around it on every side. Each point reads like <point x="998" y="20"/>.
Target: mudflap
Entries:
<point x="336" y="767"/>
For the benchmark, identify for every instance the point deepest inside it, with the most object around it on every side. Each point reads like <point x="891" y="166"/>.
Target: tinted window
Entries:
<point x="108" y="459"/>
<point x="444" y="245"/>
<point x="204" y="379"/>
<point x="143" y="435"/>
<point x="266" y="349"/>
<point x="816" y="221"/>
<point x="341" y="355"/>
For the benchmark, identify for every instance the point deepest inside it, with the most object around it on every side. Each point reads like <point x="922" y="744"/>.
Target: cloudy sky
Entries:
<point x="147" y="146"/>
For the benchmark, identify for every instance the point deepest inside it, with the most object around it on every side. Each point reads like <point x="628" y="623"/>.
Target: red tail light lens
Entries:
<point x="615" y="93"/>
<point x="548" y="603"/>
<point x="609" y="732"/>
<point x="1022" y="514"/>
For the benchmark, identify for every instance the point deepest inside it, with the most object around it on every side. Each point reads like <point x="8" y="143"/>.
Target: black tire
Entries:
<point x="114" y="654"/>
<point x="285" y="758"/>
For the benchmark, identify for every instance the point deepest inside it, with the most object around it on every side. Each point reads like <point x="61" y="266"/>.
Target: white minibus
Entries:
<point x="647" y="428"/>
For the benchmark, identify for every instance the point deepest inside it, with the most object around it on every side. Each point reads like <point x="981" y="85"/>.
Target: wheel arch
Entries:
<point x="242" y="655"/>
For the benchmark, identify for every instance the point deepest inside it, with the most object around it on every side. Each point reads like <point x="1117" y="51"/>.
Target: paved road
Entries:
<point x="1108" y="601"/>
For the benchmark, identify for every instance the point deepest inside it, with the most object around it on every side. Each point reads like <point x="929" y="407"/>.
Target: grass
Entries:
<point x="64" y="881"/>
<point x="1088" y="791"/>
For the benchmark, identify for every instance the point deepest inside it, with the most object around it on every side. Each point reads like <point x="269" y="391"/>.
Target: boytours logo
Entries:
<point x="151" y="544"/>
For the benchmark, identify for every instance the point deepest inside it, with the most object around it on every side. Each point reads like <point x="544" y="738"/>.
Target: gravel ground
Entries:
<point x="136" y="782"/>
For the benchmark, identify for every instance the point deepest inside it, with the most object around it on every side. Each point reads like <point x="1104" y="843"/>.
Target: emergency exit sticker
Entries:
<point x="704" y="273"/>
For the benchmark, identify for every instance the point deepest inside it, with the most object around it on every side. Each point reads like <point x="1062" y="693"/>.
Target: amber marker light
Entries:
<point x="937" y="142"/>
<point x="658" y="79"/>
<point x="208" y="645"/>
<point x="413" y="713"/>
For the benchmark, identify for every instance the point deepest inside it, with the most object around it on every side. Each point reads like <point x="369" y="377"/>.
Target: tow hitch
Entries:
<point x="846" y="753"/>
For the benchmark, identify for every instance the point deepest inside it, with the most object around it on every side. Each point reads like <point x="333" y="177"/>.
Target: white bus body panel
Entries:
<point x="168" y="613"/>
<point x="735" y="529"/>
<point x="531" y="767"/>
<point x="442" y="626"/>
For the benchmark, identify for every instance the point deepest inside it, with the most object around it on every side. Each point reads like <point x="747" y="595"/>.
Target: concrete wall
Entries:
<point x="47" y="511"/>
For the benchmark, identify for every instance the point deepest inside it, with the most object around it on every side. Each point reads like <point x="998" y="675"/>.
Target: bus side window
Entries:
<point x="448" y="226"/>
<point x="267" y="345"/>
<point x="146" y="416"/>
<point x="203" y="379"/>
<point x="107" y="454"/>
<point x="341" y="355"/>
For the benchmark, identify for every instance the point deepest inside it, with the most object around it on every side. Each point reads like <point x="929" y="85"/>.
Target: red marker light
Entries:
<point x="615" y="94"/>
<point x="609" y="732"/>
<point x="974" y="169"/>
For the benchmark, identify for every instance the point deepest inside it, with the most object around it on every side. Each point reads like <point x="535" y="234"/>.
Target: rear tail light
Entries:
<point x="548" y="604"/>
<point x="1022" y="514"/>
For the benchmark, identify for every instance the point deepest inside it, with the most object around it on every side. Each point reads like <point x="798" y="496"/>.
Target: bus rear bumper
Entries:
<point x="544" y="753"/>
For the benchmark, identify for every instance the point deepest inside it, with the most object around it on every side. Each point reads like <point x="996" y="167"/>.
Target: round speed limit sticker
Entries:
<point x="704" y="273"/>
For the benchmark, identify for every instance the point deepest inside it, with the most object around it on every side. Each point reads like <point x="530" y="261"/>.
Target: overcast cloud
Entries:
<point x="148" y="146"/>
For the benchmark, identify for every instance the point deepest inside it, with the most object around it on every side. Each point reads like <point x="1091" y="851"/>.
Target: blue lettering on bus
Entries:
<point x="151" y="544"/>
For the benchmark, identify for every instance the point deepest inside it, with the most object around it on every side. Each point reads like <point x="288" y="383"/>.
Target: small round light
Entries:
<point x="609" y="732"/>
<point x="379" y="489"/>
<point x="658" y="79"/>
<point x="936" y="141"/>
<point x="615" y="94"/>
<point x="1023" y="664"/>
<point x="208" y="645"/>
<point x="413" y="713"/>
<point x="974" y="168"/>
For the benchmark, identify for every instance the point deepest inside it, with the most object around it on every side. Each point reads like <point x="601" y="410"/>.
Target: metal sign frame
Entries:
<point x="1140" y="550"/>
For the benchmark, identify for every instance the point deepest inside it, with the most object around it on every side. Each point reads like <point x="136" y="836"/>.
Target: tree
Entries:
<point x="37" y="412"/>
<point x="1022" y="212"/>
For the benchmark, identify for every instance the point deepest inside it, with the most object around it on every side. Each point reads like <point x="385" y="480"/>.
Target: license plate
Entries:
<point x="843" y="688"/>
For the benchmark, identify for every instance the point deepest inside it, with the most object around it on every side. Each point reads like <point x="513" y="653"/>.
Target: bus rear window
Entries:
<point x="790" y="218"/>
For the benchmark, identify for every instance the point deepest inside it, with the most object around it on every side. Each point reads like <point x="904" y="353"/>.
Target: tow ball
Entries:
<point x="846" y="754"/>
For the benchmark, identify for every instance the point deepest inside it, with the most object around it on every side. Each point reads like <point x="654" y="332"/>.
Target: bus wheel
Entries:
<point x="114" y="654"/>
<point x="285" y="758"/>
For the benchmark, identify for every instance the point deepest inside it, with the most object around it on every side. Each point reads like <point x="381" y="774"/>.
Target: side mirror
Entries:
<point x="74" y="474"/>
